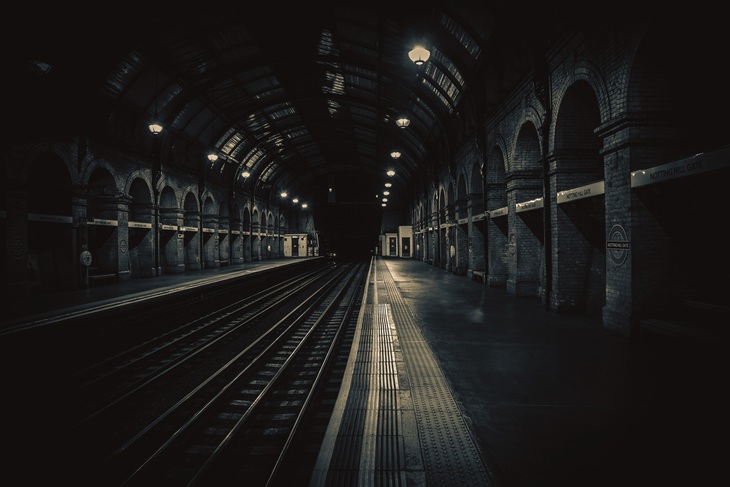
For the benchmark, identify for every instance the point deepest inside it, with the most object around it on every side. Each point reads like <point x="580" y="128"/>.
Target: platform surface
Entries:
<point x="455" y="383"/>
<point x="549" y="399"/>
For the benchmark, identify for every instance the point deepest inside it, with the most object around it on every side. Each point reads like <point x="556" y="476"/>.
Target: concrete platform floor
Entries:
<point x="551" y="399"/>
<point x="558" y="400"/>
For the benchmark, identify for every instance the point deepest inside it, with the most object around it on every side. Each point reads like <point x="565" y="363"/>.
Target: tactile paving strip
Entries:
<point x="450" y="456"/>
<point x="395" y="422"/>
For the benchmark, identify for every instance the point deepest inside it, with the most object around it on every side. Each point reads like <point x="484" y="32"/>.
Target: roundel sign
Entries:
<point x="617" y="245"/>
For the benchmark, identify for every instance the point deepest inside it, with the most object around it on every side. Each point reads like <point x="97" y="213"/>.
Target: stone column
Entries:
<point x="475" y="229"/>
<point x="524" y="247"/>
<point x="193" y="241"/>
<point x="210" y="242"/>
<point x="172" y="241"/>
<point x="141" y="240"/>
<point x="109" y="240"/>
<point x="497" y="237"/>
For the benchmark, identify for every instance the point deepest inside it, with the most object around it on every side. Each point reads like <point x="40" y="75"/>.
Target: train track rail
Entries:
<point x="144" y="363"/>
<point x="217" y="399"/>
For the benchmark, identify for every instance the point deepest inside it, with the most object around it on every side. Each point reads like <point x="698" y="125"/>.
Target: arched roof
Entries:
<point x="303" y="97"/>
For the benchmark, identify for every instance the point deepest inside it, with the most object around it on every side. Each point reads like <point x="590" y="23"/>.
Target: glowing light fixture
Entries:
<point x="283" y="194"/>
<point x="155" y="126"/>
<point x="295" y="200"/>
<point x="390" y="172"/>
<point x="304" y="205"/>
<point x="395" y="154"/>
<point x="385" y="200"/>
<point x="402" y="122"/>
<point x="382" y="204"/>
<point x="419" y="55"/>
<point x="388" y="185"/>
<point x="386" y="193"/>
<point x="245" y="174"/>
<point x="213" y="153"/>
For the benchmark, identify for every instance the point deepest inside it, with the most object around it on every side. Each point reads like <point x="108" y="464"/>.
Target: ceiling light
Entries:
<point x="402" y="122"/>
<point x="382" y="204"/>
<point x="213" y="154"/>
<point x="304" y="205"/>
<point x="419" y="55"/>
<point x="388" y="185"/>
<point x="155" y="126"/>
<point x="385" y="200"/>
<point x="245" y="174"/>
<point x="386" y="193"/>
<point x="295" y="200"/>
<point x="395" y="154"/>
<point x="390" y="172"/>
<point x="283" y="194"/>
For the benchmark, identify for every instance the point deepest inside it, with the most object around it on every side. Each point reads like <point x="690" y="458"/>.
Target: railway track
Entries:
<point x="218" y="398"/>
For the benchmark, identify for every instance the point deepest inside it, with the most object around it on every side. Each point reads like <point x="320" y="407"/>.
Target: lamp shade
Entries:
<point x="419" y="55"/>
<point x="402" y="122"/>
<point x="155" y="127"/>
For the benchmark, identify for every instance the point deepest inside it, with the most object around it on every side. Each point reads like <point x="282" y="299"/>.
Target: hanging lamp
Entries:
<point x="213" y="154"/>
<point x="419" y="55"/>
<point x="155" y="126"/>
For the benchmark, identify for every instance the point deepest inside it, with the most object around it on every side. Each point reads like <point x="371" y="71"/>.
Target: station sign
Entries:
<point x="587" y="191"/>
<point x="36" y="217"/>
<point x="698" y="163"/>
<point x="617" y="245"/>
<point x="529" y="205"/>
<point x="102" y="222"/>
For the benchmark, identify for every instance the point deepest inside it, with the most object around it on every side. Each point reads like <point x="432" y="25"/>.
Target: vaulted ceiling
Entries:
<point x="303" y="97"/>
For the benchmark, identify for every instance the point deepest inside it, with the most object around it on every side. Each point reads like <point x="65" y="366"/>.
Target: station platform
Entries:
<point x="453" y="383"/>
<point x="44" y="305"/>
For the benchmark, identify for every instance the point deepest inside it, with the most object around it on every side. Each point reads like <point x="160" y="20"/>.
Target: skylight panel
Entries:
<point x="326" y="46"/>
<point x="281" y="111"/>
<point x="443" y="81"/>
<point x="253" y="157"/>
<point x="462" y="36"/>
<point x="335" y="83"/>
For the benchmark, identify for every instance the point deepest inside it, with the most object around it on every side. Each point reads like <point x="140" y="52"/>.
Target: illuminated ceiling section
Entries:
<point x="323" y="105"/>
